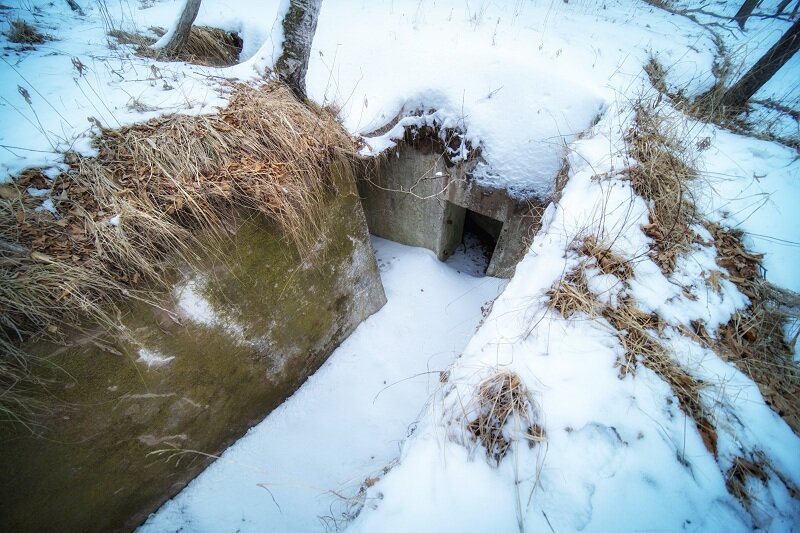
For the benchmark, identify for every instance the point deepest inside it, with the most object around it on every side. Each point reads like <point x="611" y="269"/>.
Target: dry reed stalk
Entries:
<point x="124" y="220"/>
<point x="502" y="399"/>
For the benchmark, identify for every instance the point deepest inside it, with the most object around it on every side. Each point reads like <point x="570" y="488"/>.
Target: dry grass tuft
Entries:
<point x="737" y="476"/>
<point x="658" y="75"/>
<point x="561" y="178"/>
<point x="135" y="39"/>
<point x="503" y="401"/>
<point x="207" y="46"/>
<point x="754" y="469"/>
<point x="661" y="176"/>
<point x="124" y="219"/>
<point x="22" y="32"/>
<point x="607" y="261"/>
<point x="212" y="46"/>
<point x="571" y="294"/>
<point x="755" y="338"/>
<point x="635" y="332"/>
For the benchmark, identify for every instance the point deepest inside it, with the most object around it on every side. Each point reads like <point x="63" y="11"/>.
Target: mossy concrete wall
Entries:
<point x="263" y="320"/>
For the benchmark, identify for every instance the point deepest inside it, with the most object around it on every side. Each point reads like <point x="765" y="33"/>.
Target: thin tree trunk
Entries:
<point x="299" y="26"/>
<point x="745" y="11"/>
<point x="766" y="67"/>
<point x="73" y="5"/>
<point x="176" y="38"/>
<point x="782" y="6"/>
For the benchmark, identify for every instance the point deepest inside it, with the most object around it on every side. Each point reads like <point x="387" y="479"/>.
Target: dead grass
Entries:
<point x="23" y="32"/>
<point x="638" y="334"/>
<point x="661" y="176"/>
<point x="754" y="469"/>
<point x="607" y="261"/>
<point x="708" y="106"/>
<point x="135" y="39"/>
<point x="755" y="338"/>
<point x="212" y="47"/>
<point x="561" y="178"/>
<point x="207" y="46"/>
<point x="658" y="76"/>
<point x="571" y="294"/>
<point x="503" y="400"/>
<point x="736" y="478"/>
<point x="125" y="219"/>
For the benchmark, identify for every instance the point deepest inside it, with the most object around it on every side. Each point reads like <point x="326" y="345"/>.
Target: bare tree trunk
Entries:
<point x="299" y="26"/>
<point x="738" y="95"/>
<point x="176" y="38"/>
<point x="745" y="11"/>
<point x="73" y="5"/>
<point x="782" y="6"/>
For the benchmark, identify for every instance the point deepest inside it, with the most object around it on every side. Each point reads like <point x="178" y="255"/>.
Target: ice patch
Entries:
<point x="153" y="358"/>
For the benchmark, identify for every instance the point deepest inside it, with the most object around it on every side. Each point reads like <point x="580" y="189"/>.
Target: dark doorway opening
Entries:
<point x="478" y="241"/>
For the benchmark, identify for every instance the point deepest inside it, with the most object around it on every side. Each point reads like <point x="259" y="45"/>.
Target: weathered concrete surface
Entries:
<point x="404" y="200"/>
<point x="515" y="239"/>
<point x="521" y="219"/>
<point x="279" y="317"/>
<point x="415" y="199"/>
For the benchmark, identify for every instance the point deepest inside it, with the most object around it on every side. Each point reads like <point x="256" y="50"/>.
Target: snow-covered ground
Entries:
<point x="754" y="186"/>
<point x="530" y="82"/>
<point x="619" y="455"/>
<point x="346" y="423"/>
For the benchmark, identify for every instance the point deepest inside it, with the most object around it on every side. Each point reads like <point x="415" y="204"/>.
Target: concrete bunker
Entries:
<point x="111" y="449"/>
<point x="183" y="382"/>
<point x="244" y="314"/>
<point x="417" y="196"/>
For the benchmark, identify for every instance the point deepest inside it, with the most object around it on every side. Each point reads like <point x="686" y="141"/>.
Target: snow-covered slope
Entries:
<point x="619" y="454"/>
<point x="530" y="82"/>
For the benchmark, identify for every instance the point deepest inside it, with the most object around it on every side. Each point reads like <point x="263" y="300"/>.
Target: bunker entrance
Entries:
<point x="478" y="241"/>
<point x="413" y="198"/>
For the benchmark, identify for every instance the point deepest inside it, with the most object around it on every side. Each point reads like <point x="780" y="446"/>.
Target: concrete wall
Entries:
<point x="279" y="316"/>
<point x="414" y="199"/>
<point x="404" y="200"/>
<point x="521" y="219"/>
